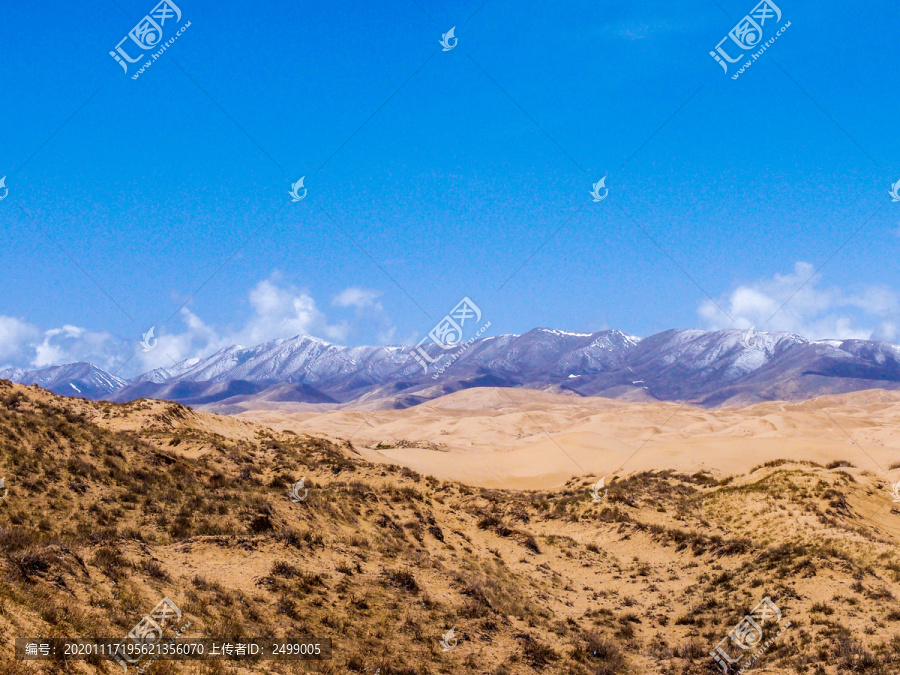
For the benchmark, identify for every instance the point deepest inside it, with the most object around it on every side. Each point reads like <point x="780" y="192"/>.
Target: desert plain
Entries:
<point x="525" y="439"/>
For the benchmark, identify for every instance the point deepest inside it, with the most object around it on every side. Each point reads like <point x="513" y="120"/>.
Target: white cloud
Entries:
<point x="15" y="334"/>
<point x="814" y="311"/>
<point x="360" y="298"/>
<point x="72" y="343"/>
<point x="197" y="339"/>
<point x="285" y="312"/>
<point x="25" y="345"/>
<point x="277" y="310"/>
<point x="368" y="309"/>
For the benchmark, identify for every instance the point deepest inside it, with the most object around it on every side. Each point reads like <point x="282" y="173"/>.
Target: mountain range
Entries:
<point x="708" y="368"/>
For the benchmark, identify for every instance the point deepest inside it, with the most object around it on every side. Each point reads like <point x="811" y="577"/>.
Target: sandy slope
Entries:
<point x="519" y="438"/>
<point x="139" y="501"/>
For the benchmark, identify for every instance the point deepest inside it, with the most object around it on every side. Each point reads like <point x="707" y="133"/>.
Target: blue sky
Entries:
<point x="432" y="175"/>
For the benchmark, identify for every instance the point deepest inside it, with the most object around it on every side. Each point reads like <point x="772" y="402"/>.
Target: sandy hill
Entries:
<point x="110" y="507"/>
<point x="517" y="438"/>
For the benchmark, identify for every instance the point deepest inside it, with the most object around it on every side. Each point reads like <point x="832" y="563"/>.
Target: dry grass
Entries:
<point x="112" y="507"/>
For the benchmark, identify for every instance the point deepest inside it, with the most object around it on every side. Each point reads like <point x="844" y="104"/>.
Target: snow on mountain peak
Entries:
<point x="672" y="365"/>
<point x="555" y="331"/>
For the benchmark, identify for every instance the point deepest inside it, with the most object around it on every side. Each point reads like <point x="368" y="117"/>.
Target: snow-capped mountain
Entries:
<point x="74" y="379"/>
<point x="301" y="358"/>
<point x="334" y="373"/>
<point x="703" y="367"/>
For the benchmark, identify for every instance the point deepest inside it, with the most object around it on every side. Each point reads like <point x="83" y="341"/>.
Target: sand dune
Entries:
<point x="519" y="438"/>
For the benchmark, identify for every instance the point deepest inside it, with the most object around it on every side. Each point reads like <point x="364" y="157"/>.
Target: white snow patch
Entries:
<point x="555" y="331"/>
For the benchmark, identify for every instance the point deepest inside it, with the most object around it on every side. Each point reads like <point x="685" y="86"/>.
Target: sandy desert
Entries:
<point x="525" y="439"/>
